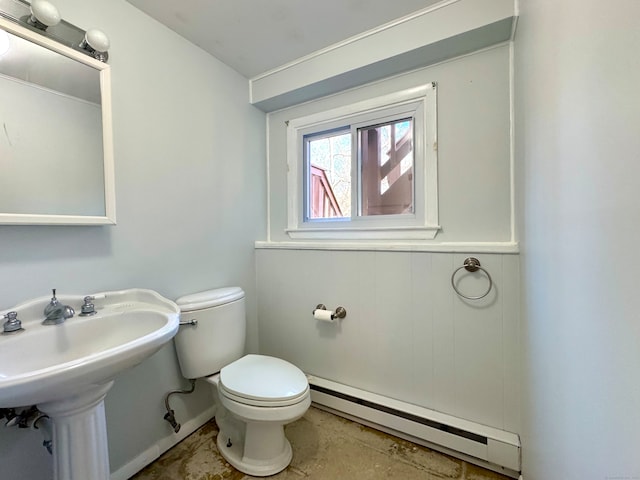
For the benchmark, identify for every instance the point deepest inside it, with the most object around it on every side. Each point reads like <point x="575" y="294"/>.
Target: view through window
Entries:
<point x="385" y="153"/>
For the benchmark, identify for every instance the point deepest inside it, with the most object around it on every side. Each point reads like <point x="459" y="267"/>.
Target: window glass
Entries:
<point x="386" y="168"/>
<point x="328" y="170"/>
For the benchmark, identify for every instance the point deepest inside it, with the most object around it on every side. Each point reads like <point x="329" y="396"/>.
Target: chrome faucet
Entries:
<point x="56" y="313"/>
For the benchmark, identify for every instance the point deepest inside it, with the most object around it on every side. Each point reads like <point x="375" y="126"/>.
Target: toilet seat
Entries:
<point x="263" y="381"/>
<point x="262" y="403"/>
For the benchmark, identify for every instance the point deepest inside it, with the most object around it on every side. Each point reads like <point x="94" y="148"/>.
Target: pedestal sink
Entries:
<point x="67" y="369"/>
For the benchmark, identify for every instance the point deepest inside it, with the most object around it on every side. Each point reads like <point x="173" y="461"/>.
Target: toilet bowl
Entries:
<point x="257" y="395"/>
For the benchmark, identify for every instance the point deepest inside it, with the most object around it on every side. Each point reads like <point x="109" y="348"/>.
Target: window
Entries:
<point x="366" y="170"/>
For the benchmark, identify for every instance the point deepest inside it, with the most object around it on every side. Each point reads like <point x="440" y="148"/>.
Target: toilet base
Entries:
<point x="264" y="451"/>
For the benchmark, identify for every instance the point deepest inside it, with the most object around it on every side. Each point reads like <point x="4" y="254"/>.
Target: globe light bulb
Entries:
<point x="97" y="40"/>
<point x="45" y="13"/>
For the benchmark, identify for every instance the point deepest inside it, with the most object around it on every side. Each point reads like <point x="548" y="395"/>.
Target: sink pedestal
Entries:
<point x="80" y="450"/>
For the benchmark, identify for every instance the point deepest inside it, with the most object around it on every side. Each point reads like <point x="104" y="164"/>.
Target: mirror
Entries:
<point x="56" y="154"/>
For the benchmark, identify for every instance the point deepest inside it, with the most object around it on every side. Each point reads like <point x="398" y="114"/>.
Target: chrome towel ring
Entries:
<point x="471" y="264"/>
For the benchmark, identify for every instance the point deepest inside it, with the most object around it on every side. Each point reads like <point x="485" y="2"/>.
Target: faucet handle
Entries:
<point x="88" y="308"/>
<point x="12" y="325"/>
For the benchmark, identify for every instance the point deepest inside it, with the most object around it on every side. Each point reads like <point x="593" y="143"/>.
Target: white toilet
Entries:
<point x="257" y="394"/>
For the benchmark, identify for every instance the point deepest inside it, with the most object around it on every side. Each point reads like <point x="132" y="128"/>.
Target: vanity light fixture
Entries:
<point x="96" y="43"/>
<point x="41" y="16"/>
<point x="44" y="14"/>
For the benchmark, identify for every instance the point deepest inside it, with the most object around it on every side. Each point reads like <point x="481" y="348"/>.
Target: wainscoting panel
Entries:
<point x="407" y="334"/>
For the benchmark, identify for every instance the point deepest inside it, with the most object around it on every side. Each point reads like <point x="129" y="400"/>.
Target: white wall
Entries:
<point x="578" y="114"/>
<point x="407" y="335"/>
<point x="189" y="154"/>
<point x="473" y="145"/>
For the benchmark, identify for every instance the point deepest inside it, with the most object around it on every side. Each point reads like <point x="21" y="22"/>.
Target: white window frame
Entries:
<point x="418" y="103"/>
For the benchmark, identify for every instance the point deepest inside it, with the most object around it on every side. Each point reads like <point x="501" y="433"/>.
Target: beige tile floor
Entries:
<point x="325" y="447"/>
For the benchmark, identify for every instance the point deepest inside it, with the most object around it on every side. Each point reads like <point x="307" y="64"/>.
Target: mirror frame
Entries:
<point x="107" y="137"/>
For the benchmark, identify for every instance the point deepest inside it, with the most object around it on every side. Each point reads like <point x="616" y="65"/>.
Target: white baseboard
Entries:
<point x="154" y="451"/>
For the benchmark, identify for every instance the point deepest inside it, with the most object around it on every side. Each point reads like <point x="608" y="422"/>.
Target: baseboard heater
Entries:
<point x="486" y="446"/>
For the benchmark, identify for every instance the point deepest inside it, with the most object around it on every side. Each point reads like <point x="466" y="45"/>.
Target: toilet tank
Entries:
<point x="219" y="336"/>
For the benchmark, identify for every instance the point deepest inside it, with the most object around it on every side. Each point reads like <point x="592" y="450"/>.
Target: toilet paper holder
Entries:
<point x="340" y="312"/>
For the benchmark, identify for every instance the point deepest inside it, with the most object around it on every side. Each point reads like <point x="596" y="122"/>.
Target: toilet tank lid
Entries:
<point x="209" y="298"/>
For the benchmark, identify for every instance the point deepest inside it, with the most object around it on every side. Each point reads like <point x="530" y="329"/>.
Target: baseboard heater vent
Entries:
<point x="486" y="446"/>
<point x="407" y="416"/>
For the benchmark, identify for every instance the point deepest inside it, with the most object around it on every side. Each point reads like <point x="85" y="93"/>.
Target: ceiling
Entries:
<point x="255" y="36"/>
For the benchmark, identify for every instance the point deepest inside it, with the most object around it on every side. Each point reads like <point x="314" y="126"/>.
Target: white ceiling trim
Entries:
<point x="426" y="37"/>
<point x="357" y="38"/>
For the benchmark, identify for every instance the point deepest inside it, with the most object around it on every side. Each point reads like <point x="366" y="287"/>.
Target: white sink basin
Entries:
<point x="67" y="369"/>
<point x="46" y="363"/>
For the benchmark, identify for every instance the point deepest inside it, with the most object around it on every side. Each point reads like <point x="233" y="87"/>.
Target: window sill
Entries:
<point x="364" y="234"/>
<point x="443" y="247"/>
